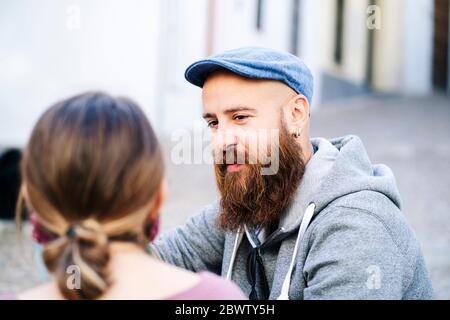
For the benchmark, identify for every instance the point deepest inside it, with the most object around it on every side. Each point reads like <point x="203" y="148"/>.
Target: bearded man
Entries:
<point x="298" y="217"/>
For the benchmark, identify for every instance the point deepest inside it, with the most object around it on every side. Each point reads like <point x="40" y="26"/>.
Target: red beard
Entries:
<point x="256" y="200"/>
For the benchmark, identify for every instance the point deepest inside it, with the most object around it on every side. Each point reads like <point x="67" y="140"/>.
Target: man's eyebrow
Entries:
<point x="230" y="110"/>
<point x="209" y="115"/>
<point x="239" y="108"/>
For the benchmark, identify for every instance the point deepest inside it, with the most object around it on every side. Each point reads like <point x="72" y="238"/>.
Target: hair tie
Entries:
<point x="40" y="234"/>
<point x="70" y="232"/>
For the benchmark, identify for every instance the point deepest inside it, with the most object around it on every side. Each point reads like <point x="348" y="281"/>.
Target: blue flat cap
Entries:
<point x="256" y="63"/>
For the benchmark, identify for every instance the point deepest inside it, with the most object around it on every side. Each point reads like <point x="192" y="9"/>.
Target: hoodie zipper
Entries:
<point x="272" y="236"/>
<point x="280" y="231"/>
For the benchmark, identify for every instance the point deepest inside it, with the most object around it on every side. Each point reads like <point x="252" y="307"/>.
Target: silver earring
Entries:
<point x="297" y="133"/>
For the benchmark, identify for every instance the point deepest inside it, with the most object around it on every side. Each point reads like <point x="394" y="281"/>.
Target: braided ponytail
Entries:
<point x="79" y="261"/>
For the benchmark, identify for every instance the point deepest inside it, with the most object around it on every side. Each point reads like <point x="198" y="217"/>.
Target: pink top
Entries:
<point x="210" y="287"/>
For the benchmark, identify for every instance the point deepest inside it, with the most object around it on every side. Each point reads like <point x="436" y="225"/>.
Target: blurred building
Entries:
<point x="50" y="49"/>
<point x="353" y="46"/>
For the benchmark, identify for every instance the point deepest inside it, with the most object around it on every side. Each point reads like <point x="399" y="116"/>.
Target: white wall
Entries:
<point x="355" y="41"/>
<point x="315" y="28"/>
<point x="417" y="47"/>
<point x="235" y="24"/>
<point x="403" y="47"/>
<point x="141" y="48"/>
<point x="182" y="41"/>
<point x="387" y="71"/>
<point x="46" y="55"/>
<point x="354" y="47"/>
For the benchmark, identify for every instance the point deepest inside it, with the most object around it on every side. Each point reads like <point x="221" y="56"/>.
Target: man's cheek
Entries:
<point x="271" y="168"/>
<point x="271" y="163"/>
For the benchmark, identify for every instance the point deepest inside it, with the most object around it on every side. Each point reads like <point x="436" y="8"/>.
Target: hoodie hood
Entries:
<point x="339" y="167"/>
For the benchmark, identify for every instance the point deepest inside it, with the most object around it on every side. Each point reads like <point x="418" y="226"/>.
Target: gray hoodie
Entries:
<point x="342" y="237"/>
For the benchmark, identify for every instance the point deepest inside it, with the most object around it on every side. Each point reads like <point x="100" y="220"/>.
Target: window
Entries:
<point x="295" y="27"/>
<point x="259" y="14"/>
<point x="339" y="32"/>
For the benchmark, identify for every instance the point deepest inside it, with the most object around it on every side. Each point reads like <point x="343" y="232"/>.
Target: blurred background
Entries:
<point x="380" y="66"/>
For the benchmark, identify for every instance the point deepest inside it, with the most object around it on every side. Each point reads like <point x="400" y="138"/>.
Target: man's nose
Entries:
<point x="223" y="139"/>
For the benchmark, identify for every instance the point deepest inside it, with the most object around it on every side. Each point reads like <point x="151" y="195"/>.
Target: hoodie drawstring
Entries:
<point x="284" y="293"/>
<point x="238" y="240"/>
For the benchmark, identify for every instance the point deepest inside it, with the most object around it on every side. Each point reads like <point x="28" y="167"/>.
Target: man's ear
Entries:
<point x="297" y="112"/>
<point x="160" y="198"/>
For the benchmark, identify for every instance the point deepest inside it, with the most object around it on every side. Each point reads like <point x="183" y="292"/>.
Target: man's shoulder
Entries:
<point x="365" y="213"/>
<point x="367" y="229"/>
<point x="212" y="208"/>
<point x="367" y="203"/>
<point x="208" y="213"/>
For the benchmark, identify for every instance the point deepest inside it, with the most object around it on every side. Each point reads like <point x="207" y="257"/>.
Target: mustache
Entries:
<point x="236" y="155"/>
<point x="230" y="155"/>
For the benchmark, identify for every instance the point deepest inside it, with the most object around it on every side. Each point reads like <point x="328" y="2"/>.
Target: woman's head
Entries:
<point x="92" y="172"/>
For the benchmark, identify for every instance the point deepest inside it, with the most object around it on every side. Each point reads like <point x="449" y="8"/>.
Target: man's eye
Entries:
<point x="240" y="117"/>
<point x="213" y="123"/>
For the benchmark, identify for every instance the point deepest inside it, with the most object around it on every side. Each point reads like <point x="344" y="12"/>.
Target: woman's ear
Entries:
<point x="160" y="198"/>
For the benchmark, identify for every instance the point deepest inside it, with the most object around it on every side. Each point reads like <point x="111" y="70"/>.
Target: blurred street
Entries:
<point x="410" y="135"/>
